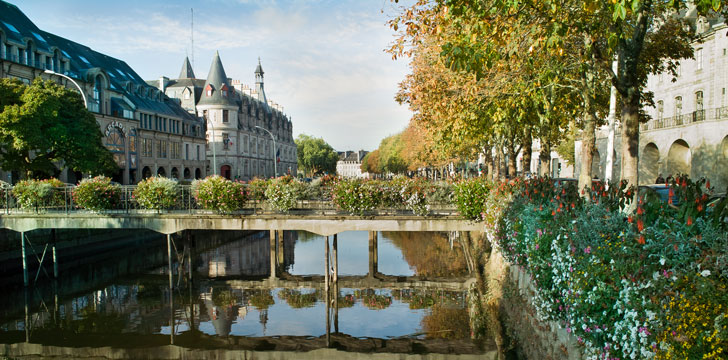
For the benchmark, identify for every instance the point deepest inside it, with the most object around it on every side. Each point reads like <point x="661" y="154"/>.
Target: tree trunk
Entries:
<point x="630" y="138"/>
<point x="527" y="153"/>
<point x="545" y="157"/>
<point x="497" y="163"/>
<point x="488" y="163"/>
<point x="588" y="140"/>
<point x="512" y="162"/>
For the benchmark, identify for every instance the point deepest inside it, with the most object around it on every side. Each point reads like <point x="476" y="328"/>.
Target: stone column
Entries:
<point x="373" y="254"/>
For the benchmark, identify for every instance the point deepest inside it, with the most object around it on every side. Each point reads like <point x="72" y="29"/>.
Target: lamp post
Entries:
<point x="275" y="165"/>
<point x="83" y="96"/>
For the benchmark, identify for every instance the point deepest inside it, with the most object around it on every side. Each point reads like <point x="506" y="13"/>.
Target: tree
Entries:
<point x="315" y="156"/>
<point x="45" y="126"/>
<point x="370" y="162"/>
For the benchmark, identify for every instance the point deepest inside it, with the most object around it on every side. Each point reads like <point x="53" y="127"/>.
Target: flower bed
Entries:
<point x="219" y="194"/>
<point x="283" y="192"/>
<point x="157" y="193"/>
<point x="641" y="285"/>
<point x="34" y="194"/>
<point x="97" y="194"/>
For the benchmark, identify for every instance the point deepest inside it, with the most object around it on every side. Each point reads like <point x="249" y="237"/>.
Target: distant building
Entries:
<point x="688" y="130"/>
<point x="349" y="164"/>
<point x="236" y="119"/>
<point x="148" y="133"/>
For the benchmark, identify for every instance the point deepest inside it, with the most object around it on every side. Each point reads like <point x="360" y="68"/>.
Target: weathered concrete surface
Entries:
<point x="169" y="223"/>
<point x="293" y="348"/>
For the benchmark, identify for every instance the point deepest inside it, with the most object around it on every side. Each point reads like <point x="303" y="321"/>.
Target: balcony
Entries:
<point x="716" y="114"/>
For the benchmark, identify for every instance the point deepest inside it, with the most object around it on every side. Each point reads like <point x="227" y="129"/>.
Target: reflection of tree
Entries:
<point x="373" y="300"/>
<point x="445" y="322"/>
<point x="223" y="298"/>
<point x="91" y="321"/>
<point x="429" y="253"/>
<point x="261" y="299"/>
<point x="297" y="299"/>
<point x="305" y="236"/>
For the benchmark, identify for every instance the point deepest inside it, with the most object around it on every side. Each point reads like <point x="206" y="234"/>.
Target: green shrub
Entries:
<point x="283" y="192"/>
<point x="97" y="194"/>
<point x="219" y="194"/>
<point x="257" y="188"/>
<point x="469" y="197"/>
<point x="357" y="196"/>
<point x="32" y="194"/>
<point x="157" y="193"/>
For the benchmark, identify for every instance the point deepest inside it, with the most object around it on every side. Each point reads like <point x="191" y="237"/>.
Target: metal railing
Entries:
<point x="715" y="114"/>
<point x="61" y="201"/>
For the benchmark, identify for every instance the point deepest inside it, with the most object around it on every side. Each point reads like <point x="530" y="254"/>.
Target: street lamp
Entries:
<point x="275" y="165"/>
<point x="83" y="96"/>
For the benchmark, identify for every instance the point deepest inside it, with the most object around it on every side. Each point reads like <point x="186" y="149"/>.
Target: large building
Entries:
<point x="349" y="164"/>
<point x="242" y="124"/>
<point x="688" y="130"/>
<point x="148" y="133"/>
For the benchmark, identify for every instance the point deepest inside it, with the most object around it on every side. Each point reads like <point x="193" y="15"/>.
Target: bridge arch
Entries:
<point x="649" y="166"/>
<point x="679" y="158"/>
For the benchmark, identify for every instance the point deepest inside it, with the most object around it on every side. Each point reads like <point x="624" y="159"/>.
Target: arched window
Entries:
<point x="115" y="143"/>
<point x="98" y="93"/>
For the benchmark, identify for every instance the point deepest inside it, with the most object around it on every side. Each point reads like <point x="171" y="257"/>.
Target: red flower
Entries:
<point x="630" y="219"/>
<point x="641" y="225"/>
<point x="640" y="211"/>
<point x="707" y="184"/>
<point x="641" y="240"/>
<point x="553" y="213"/>
<point x="690" y="220"/>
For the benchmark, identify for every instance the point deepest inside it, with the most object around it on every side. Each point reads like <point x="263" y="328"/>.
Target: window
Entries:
<point x="187" y="94"/>
<point x="187" y="151"/>
<point x="11" y="27"/>
<point x="699" y="59"/>
<point x="176" y="150"/>
<point x="225" y="116"/>
<point x="161" y="149"/>
<point x="245" y="144"/>
<point x="225" y="141"/>
<point x="678" y="105"/>
<point x="660" y="109"/>
<point x="147" y="147"/>
<point x="699" y="100"/>
<point x="115" y="141"/>
<point x="198" y="153"/>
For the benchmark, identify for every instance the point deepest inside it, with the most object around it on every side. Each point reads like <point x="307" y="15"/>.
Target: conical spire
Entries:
<point x="186" y="72"/>
<point x="259" y="83"/>
<point x="217" y="90"/>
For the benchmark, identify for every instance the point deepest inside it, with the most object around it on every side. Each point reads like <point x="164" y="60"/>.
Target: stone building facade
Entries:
<point x="688" y="130"/>
<point x="148" y="133"/>
<point x="240" y="122"/>
<point x="349" y="164"/>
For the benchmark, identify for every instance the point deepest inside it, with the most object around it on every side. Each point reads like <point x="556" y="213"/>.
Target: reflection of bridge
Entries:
<point x="59" y="345"/>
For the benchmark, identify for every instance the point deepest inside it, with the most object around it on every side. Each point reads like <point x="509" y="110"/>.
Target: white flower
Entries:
<point x="705" y="273"/>
<point x="662" y="261"/>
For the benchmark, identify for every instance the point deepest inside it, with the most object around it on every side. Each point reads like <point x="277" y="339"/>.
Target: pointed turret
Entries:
<point x="217" y="90"/>
<point x="259" y="83"/>
<point x="186" y="72"/>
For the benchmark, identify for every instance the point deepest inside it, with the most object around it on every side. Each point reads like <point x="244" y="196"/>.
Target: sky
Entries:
<point x="324" y="60"/>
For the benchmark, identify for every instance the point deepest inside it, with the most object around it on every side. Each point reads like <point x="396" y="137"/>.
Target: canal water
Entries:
<point x="409" y="297"/>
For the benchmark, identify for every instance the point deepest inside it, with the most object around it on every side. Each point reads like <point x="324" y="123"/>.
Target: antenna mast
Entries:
<point x="192" y="35"/>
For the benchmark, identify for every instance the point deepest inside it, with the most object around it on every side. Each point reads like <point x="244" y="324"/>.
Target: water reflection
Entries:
<point x="218" y="299"/>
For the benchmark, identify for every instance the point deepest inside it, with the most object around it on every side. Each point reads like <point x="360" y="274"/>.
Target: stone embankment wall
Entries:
<point x="526" y="337"/>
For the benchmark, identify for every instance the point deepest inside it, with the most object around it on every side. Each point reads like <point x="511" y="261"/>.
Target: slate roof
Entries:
<point x="85" y="63"/>
<point x="217" y="81"/>
<point x="186" y="72"/>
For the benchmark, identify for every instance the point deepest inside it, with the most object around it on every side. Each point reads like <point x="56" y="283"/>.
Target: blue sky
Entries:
<point x="323" y="59"/>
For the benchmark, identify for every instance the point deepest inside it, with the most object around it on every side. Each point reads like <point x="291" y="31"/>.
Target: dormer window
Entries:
<point x="208" y="90"/>
<point x="224" y="90"/>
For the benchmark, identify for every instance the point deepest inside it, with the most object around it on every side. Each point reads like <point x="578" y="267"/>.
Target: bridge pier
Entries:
<point x="280" y="249"/>
<point x="25" y="261"/>
<point x="272" y="254"/>
<point x="373" y="254"/>
<point x="53" y="248"/>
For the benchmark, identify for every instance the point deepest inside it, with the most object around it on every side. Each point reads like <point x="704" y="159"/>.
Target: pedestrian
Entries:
<point x="660" y="179"/>
<point x="669" y="179"/>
